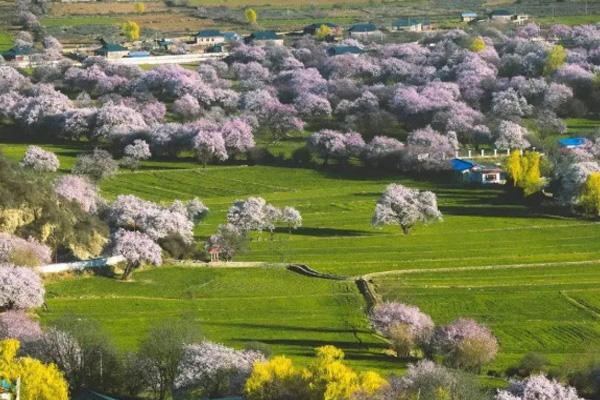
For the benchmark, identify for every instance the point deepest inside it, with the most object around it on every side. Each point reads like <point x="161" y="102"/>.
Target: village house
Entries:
<point x="21" y="54"/>
<point x="471" y="172"/>
<point x="263" y="38"/>
<point x="111" y="51"/>
<point x="411" y="24"/>
<point x="501" y="15"/>
<point x="468" y="16"/>
<point x="341" y="50"/>
<point x="572" y="143"/>
<point x="209" y="37"/>
<point x="312" y="29"/>
<point x="520" y="18"/>
<point x="365" y="31"/>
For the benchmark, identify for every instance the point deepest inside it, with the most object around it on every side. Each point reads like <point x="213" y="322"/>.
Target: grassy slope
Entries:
<point x="286" y="310"/>
<point x="481" y="228"/>
<point x="551" y="310"/>
<point x="5" y="41"/>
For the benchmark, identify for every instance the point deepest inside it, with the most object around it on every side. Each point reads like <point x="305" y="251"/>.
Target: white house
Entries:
<point x="210" y="37"/>
<point x="365" y="31"/>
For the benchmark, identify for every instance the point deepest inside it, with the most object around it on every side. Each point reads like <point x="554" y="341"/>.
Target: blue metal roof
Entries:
<point x="572" y="142"/>
<point x="339" y="50"/>
<point x="209" y="33"/>
<point x="468" y="14"/>
<point x="365" y="27"/>
<point x="264" y="35"/>
<point x="410" y="21"/>
<point x="231" y="36"/>
<point x="501" y="12"/>
<point x="461" y="165"/>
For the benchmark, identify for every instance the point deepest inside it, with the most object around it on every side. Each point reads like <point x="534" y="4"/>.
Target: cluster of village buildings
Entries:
<point x="215" y="41"/>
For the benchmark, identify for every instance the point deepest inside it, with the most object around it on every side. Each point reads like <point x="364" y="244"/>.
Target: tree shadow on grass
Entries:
<point x="314" y="231"/>
<point x="276" y="327"/>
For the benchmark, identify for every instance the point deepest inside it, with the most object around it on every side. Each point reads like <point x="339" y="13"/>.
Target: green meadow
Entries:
<point x="530" y="275"/>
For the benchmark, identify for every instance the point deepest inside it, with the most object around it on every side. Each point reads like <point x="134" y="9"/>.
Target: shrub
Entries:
<point x="40" y="160"/>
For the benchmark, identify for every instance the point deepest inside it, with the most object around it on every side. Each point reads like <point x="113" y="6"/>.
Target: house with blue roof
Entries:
<point x="111" y="50"/>
<point x="471" y="172"/>
<point x="312" y="29"/>
<point x="263" y="38"/>
<point x="468" y="16"/>
<point x="572" y="143"/>
<point x="342" y="49"/>
<point x="365" y="31"/>
<point x="411" y="24"/>
<point x="19" y="53"/>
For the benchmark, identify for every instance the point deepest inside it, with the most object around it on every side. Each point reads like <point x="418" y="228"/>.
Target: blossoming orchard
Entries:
<point x="399" y="209"/>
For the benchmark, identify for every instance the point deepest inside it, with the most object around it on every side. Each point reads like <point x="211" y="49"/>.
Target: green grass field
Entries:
<point x="549" y="306"/>
<point x="81" y="20"/>
<point x="6" y="41"/>
<point x="547" y="309"/>
<point x="290" y="312"/>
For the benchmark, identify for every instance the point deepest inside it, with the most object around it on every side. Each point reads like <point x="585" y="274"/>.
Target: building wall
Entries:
<point x="117" y="54"/>
<point x="210" y="40"/>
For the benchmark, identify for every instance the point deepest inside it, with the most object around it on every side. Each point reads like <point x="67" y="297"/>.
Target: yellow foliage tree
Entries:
<point x="525" y="171"/>
<point x="590" y="196"/>
<point x="532" y="178"/>
<point x="323" y="32"/>
<point x="131" y="30"/>
<point x="39" y="381"/>
<point x="328" y="378"/>
<point x="139" y="7"/>
<point x="250" y="16"/>
<point x="513" y="167"/>
<point x="477" y="45"/>
<point x="557" y="56"/>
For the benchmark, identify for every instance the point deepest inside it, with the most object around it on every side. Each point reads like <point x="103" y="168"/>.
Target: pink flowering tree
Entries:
<point x="312" y="107"/>
<point x="382" y="148"/>
<point x="253" y="214"/>
<point x="27" y="253"/>
<point x="135" y="152"/>
<point x="40" y="160"/>
<point x="538" y="387"/>
<point x="228" y="241"/>
<point x="291" y="218"/>
<point x="96" y="165"/>
<point x="209" y="145"/>
<point x="115" y="121"/>
<point x="328" y="144"/>
<point x="187" y="107"/>
<point x="465" y="344"/>
<point x="158" y="222"/>
<point x="212" y="370"/>
<point x="17" y="324"/>
<point x="238" y="137"/>
<point x="406" y="326"/>
<point x="510" y="135"/>
<point x="137" y="248"/>
<point x="20" y="288"/>
<point x="428" y="149"/>
<point x="80" y="190"/>
<point x="400" y="205"/>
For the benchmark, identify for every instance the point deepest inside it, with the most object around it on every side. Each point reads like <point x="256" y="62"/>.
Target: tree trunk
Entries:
<point x="128" y="270"/>
<point x="405" y="229"/>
